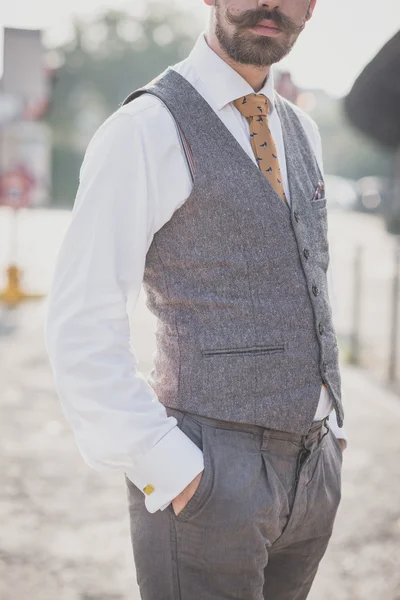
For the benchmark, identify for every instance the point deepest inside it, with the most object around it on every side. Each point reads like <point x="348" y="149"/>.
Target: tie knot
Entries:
<point x="252" y="105"/>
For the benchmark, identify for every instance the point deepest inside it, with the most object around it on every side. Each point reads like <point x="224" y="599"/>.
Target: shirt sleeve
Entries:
<point x="116" y="418"/>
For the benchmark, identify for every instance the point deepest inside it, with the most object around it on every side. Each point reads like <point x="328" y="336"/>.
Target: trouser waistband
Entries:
<point x="315" y="428"/>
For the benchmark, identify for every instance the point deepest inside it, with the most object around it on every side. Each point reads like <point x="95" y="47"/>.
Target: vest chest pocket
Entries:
<point x="321" y="203"/>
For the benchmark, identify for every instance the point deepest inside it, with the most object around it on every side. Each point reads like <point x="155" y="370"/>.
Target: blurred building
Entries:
<point x="25" y="141"/>
<point x="285" y="86"/>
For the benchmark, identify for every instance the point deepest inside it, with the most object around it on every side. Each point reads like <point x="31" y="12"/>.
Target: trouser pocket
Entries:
<point x="199" y="434"/>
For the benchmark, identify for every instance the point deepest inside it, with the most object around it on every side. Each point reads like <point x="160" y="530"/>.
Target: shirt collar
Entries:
<point x="224" y="83"/>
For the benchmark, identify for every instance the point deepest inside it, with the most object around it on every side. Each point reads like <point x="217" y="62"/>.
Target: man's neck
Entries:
<point x="255" y="76"/>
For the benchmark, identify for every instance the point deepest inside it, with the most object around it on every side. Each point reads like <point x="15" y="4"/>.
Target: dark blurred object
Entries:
<point x="373" y="106"/>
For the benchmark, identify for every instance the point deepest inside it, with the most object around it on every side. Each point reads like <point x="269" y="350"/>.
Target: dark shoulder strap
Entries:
<point x="182" y="139"/>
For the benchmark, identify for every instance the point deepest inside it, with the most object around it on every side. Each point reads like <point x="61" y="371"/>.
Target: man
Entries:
<point x="207" y="186"/>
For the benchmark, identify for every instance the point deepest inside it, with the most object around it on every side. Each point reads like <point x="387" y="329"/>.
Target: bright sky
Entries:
<point x="337" y="43"/>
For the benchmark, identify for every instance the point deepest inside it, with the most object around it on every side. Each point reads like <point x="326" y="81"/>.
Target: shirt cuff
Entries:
<point x="339" y="432"/>
<point x="167" y="469"/>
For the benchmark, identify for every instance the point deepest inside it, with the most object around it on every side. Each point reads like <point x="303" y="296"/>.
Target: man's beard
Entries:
<point x="248" y="48"/>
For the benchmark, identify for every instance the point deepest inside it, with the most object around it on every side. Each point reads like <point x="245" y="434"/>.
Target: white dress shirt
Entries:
<point x="133" y="178"/>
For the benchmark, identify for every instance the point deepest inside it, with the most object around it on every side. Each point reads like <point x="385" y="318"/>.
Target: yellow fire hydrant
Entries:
<point x="13" y="293"/>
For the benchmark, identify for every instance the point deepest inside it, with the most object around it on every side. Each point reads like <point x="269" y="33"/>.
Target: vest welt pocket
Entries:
<point x="321" y="203"/>
<point x="253" y="351"/>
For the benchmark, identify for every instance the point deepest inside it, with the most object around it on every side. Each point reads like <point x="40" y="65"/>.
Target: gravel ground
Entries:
<point x="64" y="526"/>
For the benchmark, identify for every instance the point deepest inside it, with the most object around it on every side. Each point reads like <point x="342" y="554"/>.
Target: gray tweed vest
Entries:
<point x="237" y="279"/>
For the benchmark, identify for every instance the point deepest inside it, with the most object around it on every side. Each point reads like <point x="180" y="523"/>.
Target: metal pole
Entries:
<point x="395" y="317"/>
<point x="13" y="241"/>
<point x="356" y="321"/>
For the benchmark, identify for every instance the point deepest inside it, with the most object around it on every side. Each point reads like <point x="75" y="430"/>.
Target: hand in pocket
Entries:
<point x="179" y="503"/>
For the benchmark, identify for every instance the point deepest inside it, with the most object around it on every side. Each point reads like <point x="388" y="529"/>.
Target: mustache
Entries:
<point x="251" y="18"/>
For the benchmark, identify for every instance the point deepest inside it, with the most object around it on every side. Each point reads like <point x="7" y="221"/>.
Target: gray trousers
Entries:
<point x="258" y="524"/>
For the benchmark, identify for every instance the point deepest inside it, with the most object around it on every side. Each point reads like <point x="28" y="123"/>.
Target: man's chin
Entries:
<point x="264" y="56"/>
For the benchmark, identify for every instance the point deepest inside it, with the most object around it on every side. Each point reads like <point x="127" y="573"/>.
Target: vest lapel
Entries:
<point x="301" y="183"/>
<point x="219" y="130"/>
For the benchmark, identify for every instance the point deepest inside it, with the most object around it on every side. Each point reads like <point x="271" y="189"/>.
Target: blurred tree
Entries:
<point x="107" y="59"/>
<point x="117" y="52"/>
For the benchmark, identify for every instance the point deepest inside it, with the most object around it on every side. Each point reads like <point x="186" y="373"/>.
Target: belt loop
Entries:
<point x="265" y="439"/>
<point x="177" y="413"/>
<point x="326" y="425"/>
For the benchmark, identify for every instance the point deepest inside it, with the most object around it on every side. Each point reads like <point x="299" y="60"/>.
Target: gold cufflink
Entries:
<point x="149" y="489"/>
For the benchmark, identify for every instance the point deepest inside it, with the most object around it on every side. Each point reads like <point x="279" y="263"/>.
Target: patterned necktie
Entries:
<point x="255" y="108"/>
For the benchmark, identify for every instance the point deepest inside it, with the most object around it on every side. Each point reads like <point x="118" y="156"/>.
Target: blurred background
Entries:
<point x="64" y="68"/>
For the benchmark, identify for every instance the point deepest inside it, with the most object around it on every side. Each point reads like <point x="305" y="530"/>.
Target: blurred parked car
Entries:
<point x="341" y="192"/>
<point x="373" y="193"/>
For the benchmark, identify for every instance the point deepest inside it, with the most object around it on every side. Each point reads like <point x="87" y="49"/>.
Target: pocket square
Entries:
<point x="319" y="191"/>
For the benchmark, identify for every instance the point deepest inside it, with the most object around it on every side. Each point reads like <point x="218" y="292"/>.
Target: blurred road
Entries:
<point x="64" y="531"/>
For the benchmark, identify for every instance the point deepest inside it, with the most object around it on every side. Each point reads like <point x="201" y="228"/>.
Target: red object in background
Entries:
<point x="16" y="187"/>
<point x="285" y="86"/>
<point x="36" y="110"/>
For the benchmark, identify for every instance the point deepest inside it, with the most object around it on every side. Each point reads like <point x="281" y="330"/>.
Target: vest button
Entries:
<point x="296" y="216"/>
<point x="315" y="290"/>
<point x="306" y="252"/>
<point x="321" y="328"/>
